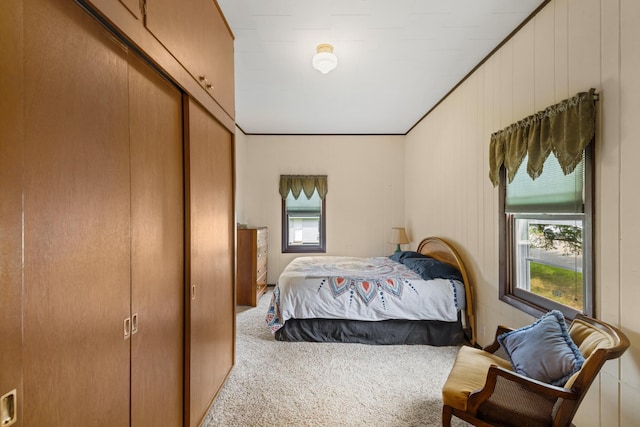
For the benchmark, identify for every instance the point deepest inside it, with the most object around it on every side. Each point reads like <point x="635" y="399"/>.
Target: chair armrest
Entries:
<point x="495" y="345"/>
<point x="527" y="385"/>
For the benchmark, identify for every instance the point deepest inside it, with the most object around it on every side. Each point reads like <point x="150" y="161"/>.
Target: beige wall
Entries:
<point x="365" y="197"/>
<point x="570" y="46"/>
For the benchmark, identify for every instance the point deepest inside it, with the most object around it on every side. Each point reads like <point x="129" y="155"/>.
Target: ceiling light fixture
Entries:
<point x="325" y="60"/>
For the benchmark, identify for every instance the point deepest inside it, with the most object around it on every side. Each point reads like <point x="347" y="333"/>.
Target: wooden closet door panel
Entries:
<point x="211" y="315"/>
<point x="11" y="161"/>
<point x="76" y="220"/>
<point x="157" y="248"/>
<point x="132" y="6"/>
<point x="197" y="35"/>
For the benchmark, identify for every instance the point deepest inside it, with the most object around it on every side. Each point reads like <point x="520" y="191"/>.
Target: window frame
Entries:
<point x="531" y="303"/>
<point x="319" y="248"/>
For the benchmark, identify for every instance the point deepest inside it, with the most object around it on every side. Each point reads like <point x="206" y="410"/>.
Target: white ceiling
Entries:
<point x="396" y="59"/>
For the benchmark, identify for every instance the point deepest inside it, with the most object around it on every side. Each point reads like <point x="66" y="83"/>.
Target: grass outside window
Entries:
<point x="557" y="284"/>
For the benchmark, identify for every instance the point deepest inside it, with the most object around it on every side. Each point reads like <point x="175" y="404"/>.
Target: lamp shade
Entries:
<point x="325" y="60"/>
<point x="399" y="236"/>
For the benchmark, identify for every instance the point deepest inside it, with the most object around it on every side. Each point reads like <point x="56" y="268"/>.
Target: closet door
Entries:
<point x="211" y="307"/>
<point x="76" y="220"/>
<point x="11" y="160"/>
<point x="157" y="248"/>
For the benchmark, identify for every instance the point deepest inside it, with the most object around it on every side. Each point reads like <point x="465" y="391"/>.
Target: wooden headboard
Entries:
<point x="440" y="249"/>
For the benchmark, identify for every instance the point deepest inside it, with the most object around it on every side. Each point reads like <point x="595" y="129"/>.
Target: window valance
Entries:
<point x="306" y="183"/>
<point x="564" y="129"/>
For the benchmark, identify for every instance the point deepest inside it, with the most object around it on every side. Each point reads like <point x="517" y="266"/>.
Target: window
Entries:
<point x="303" y="213"/>
<point x="546" y="208"/>
<point x="548" y="240"/>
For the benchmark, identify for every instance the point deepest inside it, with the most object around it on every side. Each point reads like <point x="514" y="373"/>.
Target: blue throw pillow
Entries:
<point x="429" y="268"/>
<point x="543" y="350"/>
<point x="402" y="255"/>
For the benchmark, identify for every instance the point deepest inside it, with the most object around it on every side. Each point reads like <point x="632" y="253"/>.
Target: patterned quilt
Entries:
<point x="374" y="289"/>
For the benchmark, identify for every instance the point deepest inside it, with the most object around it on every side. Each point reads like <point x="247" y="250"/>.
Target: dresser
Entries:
<point x="252" y="265"/>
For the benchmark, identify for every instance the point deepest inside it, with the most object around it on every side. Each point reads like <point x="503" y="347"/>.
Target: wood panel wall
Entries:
<point x="568" y="47"/>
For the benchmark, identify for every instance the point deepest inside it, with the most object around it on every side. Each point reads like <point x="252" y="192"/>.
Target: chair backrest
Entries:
<point x="598" y="342"/>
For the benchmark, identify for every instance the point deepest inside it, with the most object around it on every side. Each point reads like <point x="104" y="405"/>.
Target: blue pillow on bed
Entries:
<point x="429" y="268"/>
<point x="401" y="256"/>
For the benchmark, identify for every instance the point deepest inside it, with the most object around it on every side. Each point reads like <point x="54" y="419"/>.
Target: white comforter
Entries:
<point x="376" y="288"/>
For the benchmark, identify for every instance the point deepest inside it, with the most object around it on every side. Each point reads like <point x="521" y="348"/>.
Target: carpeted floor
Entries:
<point x="318" y="384"/>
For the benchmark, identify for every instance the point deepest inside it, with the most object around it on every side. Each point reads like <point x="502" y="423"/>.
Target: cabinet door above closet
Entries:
<point x="133" y="6"/>
<point x="197" y="35"/>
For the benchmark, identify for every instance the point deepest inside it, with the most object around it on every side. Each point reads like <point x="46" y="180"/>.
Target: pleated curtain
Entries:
<point x="307" y="183"/>
<point x="564" y="129"/>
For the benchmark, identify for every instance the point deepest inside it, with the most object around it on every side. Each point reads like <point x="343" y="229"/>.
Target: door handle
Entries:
<point x="9" y="408"/>
<point x="127" y="328"/>
<point x="134" y="323"/>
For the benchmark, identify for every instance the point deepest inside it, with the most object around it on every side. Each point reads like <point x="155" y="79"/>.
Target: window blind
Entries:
<point x="551" y="192"/>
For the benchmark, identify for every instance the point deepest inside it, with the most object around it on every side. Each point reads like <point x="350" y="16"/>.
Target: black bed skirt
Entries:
<point x="386" y="332"/>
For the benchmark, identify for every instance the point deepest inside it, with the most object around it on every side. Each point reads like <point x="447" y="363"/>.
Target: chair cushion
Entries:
<point x="468" y="374"/>
<point x="588" y="338"/>
<point x="543" y="350"/>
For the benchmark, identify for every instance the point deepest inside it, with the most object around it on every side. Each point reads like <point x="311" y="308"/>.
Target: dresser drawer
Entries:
<point x="261" y="265"/>
<point x="261" y="255"/>
<point x="262" y="234"/>
<point x="262" y="278"/>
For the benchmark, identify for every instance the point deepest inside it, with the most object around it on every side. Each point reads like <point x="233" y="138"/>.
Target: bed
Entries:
<point x="412" y="297"/>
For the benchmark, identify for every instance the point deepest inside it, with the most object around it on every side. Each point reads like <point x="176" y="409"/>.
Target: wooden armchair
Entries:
<point x="483" y="390"/>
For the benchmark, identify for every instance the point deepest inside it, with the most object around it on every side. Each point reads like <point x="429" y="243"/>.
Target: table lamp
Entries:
<point x="398" y="236"/>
